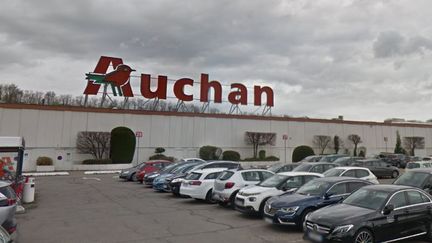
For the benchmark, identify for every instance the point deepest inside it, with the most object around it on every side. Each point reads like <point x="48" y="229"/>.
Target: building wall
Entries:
<point x="52" y="132"/>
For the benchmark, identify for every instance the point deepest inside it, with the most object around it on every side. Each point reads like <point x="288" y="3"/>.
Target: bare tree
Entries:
<point x="413" y="143"/>
<point x="355" y="139"/>
<point x="321" y="141"/>
<point x="95" y="143"/>
<point x="259" y="139"/>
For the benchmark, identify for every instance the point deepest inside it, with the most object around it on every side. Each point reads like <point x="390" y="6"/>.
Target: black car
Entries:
<point x="398" y="160"/>
<point x="177" y="180"/>
<point x="291" y="209"/>
<point x="420" y="178"/>
<point x="317" y="167"/>
<point x="331" y="157"/>
<point x="282" y="167"/>
<point x="378" y="167"/>
<point x="378" y="213"/>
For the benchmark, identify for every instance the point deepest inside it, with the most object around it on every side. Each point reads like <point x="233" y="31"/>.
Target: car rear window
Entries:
<point x="193" y="176"/>
<point x="226" y="175"/>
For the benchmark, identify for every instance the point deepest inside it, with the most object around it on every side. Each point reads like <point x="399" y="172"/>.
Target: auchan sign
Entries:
<point x="119" y="80"/>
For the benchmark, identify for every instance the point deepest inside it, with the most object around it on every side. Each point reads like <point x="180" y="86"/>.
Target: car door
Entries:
<point x="348" y="173"/>
<point x="418" y="210"/>
<point x="393" y="225"/>
<point x="355" y="185"/>
<point x="336" y="193"/>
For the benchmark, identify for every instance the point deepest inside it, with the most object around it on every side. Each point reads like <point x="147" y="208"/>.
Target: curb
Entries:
<point x="46" y="174"/>
<point x="101" y="172"/>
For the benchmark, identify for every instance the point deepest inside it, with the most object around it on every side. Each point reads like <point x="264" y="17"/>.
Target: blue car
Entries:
<point x="161" y="182"/>
<point x="291" y="209"/>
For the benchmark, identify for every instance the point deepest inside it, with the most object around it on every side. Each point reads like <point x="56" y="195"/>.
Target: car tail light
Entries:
<point x="11" y="201"/>
<point x="195" y="183"/>
<point x="11" y="230"/>
<point x="229" y="185"/>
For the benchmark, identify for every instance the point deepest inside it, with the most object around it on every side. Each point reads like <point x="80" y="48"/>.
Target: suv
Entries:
<point x="398" y="160"/>
<point x="378" y="167"/>
<point x="230" y="182"/>
<point x="420" y="178"/>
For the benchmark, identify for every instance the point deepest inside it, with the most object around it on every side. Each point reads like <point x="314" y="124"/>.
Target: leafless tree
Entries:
<point x="322" y="141"/>
<point x="413" y="143"/>
<point x="355" y="139"/>
<point x="259" y="139"/>
<point x="94" y="143"/>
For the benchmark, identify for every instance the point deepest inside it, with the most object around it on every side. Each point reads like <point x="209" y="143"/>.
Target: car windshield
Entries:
<point x="413" y="165"/>
<point x="314" y="188"/>
<point x="273" y="181"/>
<point x="169" y="168"/>
<point x="275" y="168"/>
<point x="303" y="167"/>
<point x="180" y="168"/>
<point x="140" y="166"/>
<point x="412" y="178"/>
<point x="367" y="198"/>
<point x="342" y="160"/>
<point x="333" y="172"/>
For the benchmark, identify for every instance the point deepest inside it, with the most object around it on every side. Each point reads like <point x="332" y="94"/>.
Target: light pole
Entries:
<point x="285" y="138"/>
<point x="138" y="135"/>
<point x="385" y="140"/>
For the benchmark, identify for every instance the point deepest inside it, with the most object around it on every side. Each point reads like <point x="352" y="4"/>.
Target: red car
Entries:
<point x="151" y="166"/>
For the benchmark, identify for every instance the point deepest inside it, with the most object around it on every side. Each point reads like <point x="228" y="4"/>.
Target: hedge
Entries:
<point x="43" y="161"/>
<point x="209" y="152"/>
<point x="301" y="152"/>
<point x="231" y="155"/>
<point x="161" y="157"/>
<point x="122" y="145"/>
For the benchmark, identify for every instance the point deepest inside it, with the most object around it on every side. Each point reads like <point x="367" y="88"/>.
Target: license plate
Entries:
<point x="238" y="202"/>
<point x="315" y="237"/>
<point x="268" y="220"/>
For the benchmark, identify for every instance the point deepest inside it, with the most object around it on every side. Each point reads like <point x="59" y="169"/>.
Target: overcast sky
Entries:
<point x="365" y="59"/>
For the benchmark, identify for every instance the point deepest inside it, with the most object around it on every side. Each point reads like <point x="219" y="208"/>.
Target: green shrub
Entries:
<point x="43" y="160"/>
<point x="96" y="161"/>
<point x="301" y="152"/>
<point x="161" y="157"/>
<point x="231" y="155"/>
<point x="122" y="145"/>
<point x="159" y="150"/>
<point x="209" y="152"/>
<point x="262" y="154"/>
<point x="271" y="158"/>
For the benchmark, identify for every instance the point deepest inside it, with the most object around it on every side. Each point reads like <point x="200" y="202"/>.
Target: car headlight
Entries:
<point x="125" y="172"/>
<point x="343" y="229"/>
<point x="177" y="180"/>
<point x="290" y="210"/>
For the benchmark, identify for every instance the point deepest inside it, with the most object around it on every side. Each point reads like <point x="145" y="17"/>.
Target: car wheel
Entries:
<point x="303" y="217"/>
<point x="261" y="208"/>
<point x="232" y="199"/>
<point x="209" y="196"/>
<point x="395" y="174"/>
<point x="398" y="165"/>
<point x="223" y="204"/>
<point x="134" y="177"/>
<point x="364" y="236"/>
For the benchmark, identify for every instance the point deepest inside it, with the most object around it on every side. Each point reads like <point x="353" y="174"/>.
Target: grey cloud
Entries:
<point x="391" y="43"/>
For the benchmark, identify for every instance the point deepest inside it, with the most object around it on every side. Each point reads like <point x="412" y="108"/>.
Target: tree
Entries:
<point x="259" y="139"/>
<point x="321" y="141"/>
<point x="355" y="139"/>
<point x="398" y="148"/>
<point x="94" y="143"/>
<point x="301" y="152"/>
<point x="412" y="143"/>
<point x="336" y="143"/>
<point x="123" y="142"/>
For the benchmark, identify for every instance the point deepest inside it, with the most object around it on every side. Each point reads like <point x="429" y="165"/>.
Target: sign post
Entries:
<point x="285" y="138"/>
<point x="138" y="135"/>
<point x="385" y="140"/>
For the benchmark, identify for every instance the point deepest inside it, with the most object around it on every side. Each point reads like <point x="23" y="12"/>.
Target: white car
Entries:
<point x="356" y="172"/>
<point x="199" y="183"/>
<point x="252" y="199"/>
<point x="418" y="164"/>
<point x="227" y="185"/>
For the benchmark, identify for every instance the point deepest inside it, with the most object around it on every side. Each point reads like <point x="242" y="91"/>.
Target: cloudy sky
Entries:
<point x="365" y="59"/>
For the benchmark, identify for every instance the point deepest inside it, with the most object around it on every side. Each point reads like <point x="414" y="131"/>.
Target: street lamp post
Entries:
<point x="285" y="138"/>
<point x="138" y="135"/>
<point x="385" y="140"/>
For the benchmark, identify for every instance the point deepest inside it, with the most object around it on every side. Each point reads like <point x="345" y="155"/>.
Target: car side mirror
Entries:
<point x="388" y="209"/>
<point x="428" y="186"/>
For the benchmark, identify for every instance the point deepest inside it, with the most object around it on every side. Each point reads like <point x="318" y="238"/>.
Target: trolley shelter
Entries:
<point x="11" y="158"/>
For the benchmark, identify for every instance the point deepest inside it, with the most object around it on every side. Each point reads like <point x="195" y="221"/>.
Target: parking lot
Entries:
<point x="101" y="208"/>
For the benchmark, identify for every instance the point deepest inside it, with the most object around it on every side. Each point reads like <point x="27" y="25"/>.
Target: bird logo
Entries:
<point x="116" y="79"/>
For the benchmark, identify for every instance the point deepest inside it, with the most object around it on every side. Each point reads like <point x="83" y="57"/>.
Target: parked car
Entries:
<point x="397" y="160"/>
<point x="291" y="209"/>
<point x="134" y="173"/>
<point x="199" y="184"/>
<point x="332" y="157"/>
<point x="311" y="158"/>
<point x="418" y="164"/>
<point x="8" y="201"/>
<point x="229" y="182"/>
<point x="282" y="167"/>
<point x="252" y="199"/>
<point x="377" y="213"/>
<point x="318" y="167"/>
<point x="149" y="177"/>
<point x="346" y="161"/>
<point x="378" y="167"/>
<point x="161" y="182"/>
<point x="420" y="178"/>
<point x="355" y="172"/>
<point x="178" y="179"/>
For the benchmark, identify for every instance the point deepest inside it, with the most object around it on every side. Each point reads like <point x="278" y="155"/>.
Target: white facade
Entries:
<point x="52" y="131"/>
